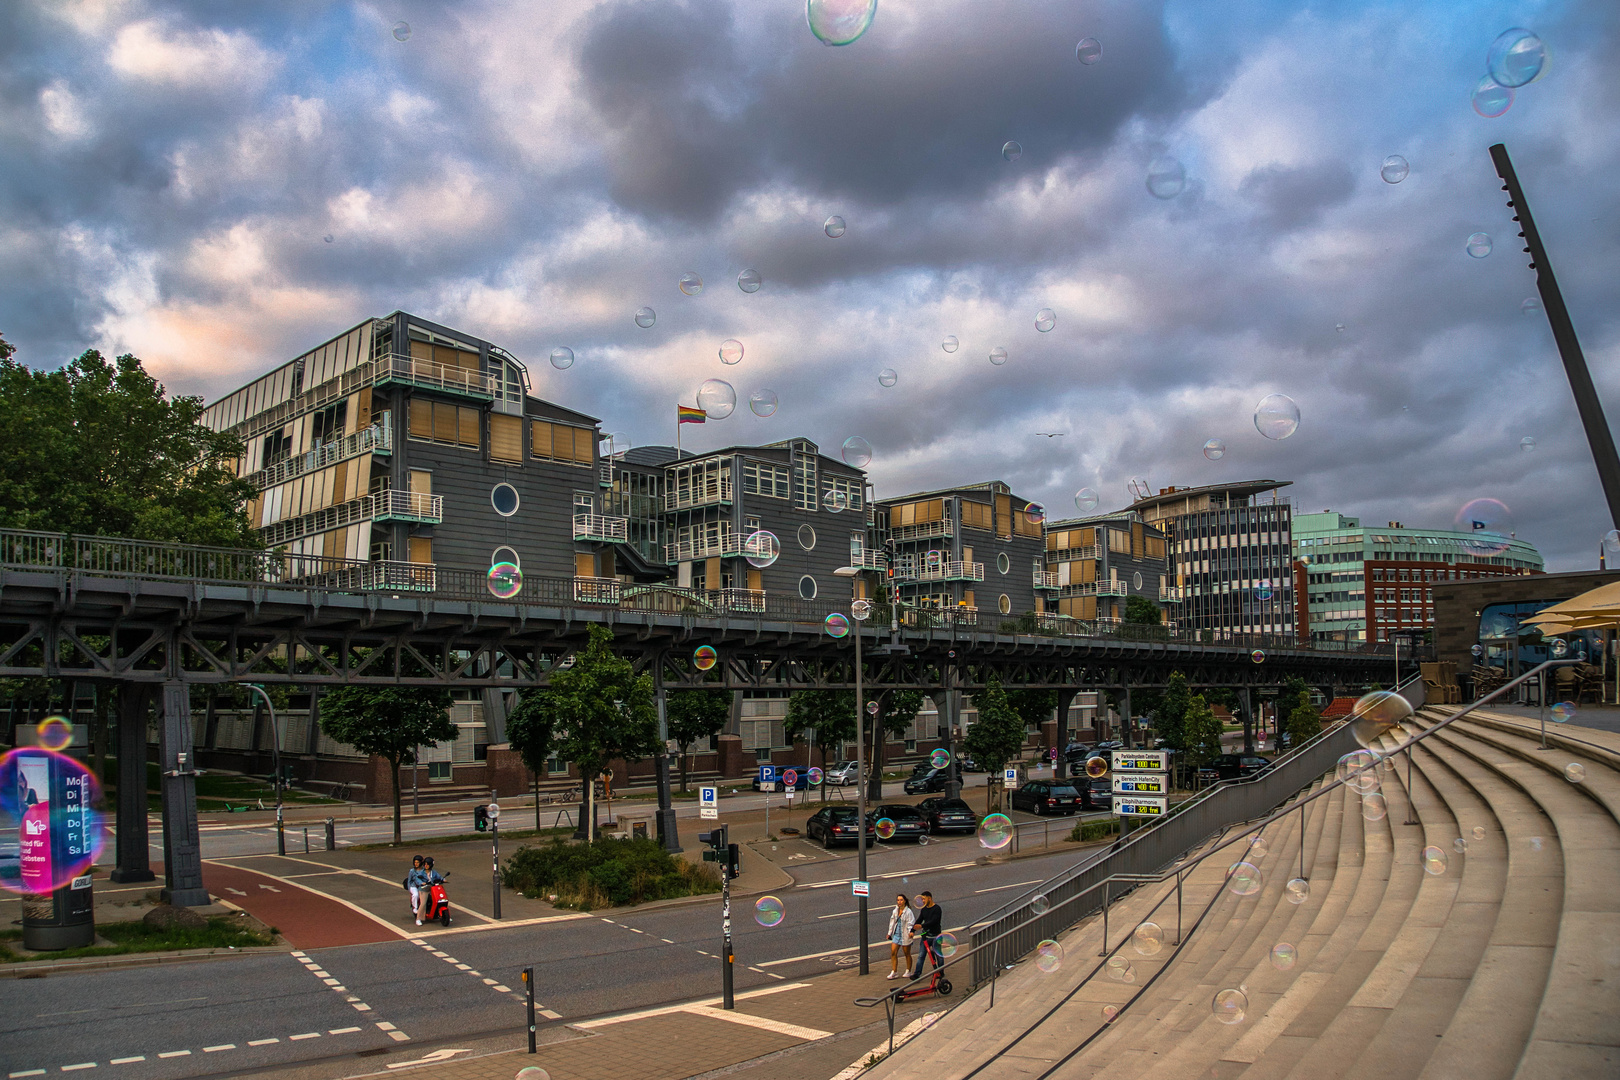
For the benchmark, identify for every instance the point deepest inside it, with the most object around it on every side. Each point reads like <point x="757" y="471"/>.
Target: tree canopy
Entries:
<point x="601" y="709"/>
<point x="98" y="448"/>
<point x="389" y="721"/>
<point x="1142" y="611"/>
<point x="695" y="715"/>
<point x="1170" y="717"/>
<point x="529" y="730"/>
<point x="997" y="736"/>
<point x="1304" y="721"/>
<point x="831" y="713"/>
<point x="1203" y="732"/>
<point x="1034" y="707"/>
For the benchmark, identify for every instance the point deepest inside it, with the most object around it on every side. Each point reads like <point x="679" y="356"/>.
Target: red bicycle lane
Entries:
<point x="306" y="918"/>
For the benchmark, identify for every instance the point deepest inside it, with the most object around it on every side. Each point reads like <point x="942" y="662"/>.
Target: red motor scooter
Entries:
<point x="438" y="904"/>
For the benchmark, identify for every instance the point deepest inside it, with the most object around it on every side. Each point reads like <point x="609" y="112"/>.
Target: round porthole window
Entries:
<point x="1136" y="580"/>
<point x="807" y="540"/>
<point x="1003" y="563"/>
<point x="505" y="554"/>
<point x="1004" y="604"/>
<point x="807" y="585"/>
<point x="504" y="498"/>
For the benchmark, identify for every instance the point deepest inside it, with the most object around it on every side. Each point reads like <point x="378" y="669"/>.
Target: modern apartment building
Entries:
<point x="1231" y="553"/>
<point x="1365" y="584"/>
<point x="1098" y="562"/>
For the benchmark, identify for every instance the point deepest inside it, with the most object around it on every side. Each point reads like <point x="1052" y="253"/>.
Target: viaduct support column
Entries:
<point x="134" y="861"/>
<point x="182" y="849"/>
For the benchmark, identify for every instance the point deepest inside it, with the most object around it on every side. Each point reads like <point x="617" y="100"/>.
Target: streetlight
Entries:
<point x="861" y="610"/>
<point x="275" y="757"/>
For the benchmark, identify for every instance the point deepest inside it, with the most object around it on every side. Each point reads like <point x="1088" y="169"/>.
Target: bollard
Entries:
<point x="331" y="834"/>
<point x="306" y="839"/>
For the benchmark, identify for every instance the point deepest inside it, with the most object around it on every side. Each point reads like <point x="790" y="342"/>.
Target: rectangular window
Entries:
<point x="505" y="438"/>
<point x="562" y="442"/>
<point x="804" y="475"/>
<point x="763" y="478"/>
<point x="975" y="515"/>
<point x="444" y="422"/>
<point x="851" y="490"/>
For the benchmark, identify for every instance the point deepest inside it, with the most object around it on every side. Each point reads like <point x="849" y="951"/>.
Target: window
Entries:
<point x="504" y="498"/>
<point x="1003" y="563"/>
<point x="762" y="478"/>
<point x="975" y="515"/>
<point x="807" y="585"/>
<point x="804" y="475"/>
<point x="851" y="490"/>
<point x="443" y="422"/>
<point x="1004" y="604"/>
<point x="562" y="442"/>
<point x="807" y="540"/>
<point x="505" y="438"/>
<point x="504" y="554"/>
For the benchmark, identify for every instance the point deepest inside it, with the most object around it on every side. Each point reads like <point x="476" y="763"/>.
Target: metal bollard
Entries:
<point x="306" y="839"/>
<point x="331" y="834"/>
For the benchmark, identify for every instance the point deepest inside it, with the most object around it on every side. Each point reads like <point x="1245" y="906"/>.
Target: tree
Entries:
<point x="529" y="731"/>
<point x="1034" y="707"/>
<point x="896" y="710"/>
<point x="1141" y="611"/>
<point x="828" y="713"/>
<point x="1203" y="732"/>
<point x="1304" y="722"/>
<point x="390" y="722"/>
<point x="603" y="711"/>
<point x="997" y="736"/>
<point x="1170" y="718"/>
<point x="1288" y="697"/>
<point x="97" y="448"/>
<point x="695" y="715"/>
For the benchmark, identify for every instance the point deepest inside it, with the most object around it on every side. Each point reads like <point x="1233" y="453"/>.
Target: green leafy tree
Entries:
<point x="1203" y="732"/>
<point x="390" y="722"/>
<point x="695" y="715"/>
<point x="1170" y="718"/>
<point x="1034" y="707"/>
<point x="1288" y="697"/>
<point x="603" y="711"/>
<point x="1141" y="611"/>
<point x="98" y="448"/>
<point x="896" y="710"/>
<point x="997" y="736"/>
<point x="830" y="714"/>
<point x="1304" y="721"/>
<point x="529" y="731"/>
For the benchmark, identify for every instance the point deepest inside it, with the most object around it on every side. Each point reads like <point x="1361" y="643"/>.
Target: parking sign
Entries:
<point x="708" y="802"/>
<point x="1009" y="776"/>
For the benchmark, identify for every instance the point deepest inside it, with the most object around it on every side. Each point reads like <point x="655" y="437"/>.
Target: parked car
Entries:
<point x="801" y="779"/>
<point x="931" y="780"/>
<point x="841" y="774"/>
<point x="948" y="815"/>
<point x="836" y="825"/>
<point x="1233" y="767"/>
<point x="1046" y="797"/>
<point x="1077" y="751"/>
<point x="908" y="823"/>
<point x="968" y="764"/>
<point x="1097" y="794"/>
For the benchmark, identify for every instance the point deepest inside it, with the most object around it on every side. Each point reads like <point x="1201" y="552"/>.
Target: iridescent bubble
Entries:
<point x="562" y="357"/>
<point x="1277" y="416"/>
<point x="1516" y="57"/>
<point x="1258" y="656"/>
<point x="1394" y="169"/>
<point x="888" y="377"/>
<point x="1434" y="860"/>
<point x="1489" y="524"/>
<point x="1298" y="890"/>
<point x="1148" y="939"/>
<point x="1039" y="904"/>
<point x="998" y="356"/>
<point x="54" y="733"/>
<point x="1477" y="650"/>
<point x="1048" y="956"/>
<point x="1244" y="878"/>
<point x="1479" y="244"/>
<point x="768" y="911"/>
<point x="951" y="343"/>
<point x="1527" y="444"/>
<point x="1011" y="150"/>
<point x="1117" y="967"/>
<point x="885" y="828"/>
<point x="402" y="31"/>
<point x="1045" y="319"/>
<point x="1089" y="51"/>
<point x="1561" y="711"/>
<point x="50" y="800"/>
<point x="761" y="549"/>
<point x="1357" y="769"/>
<point x="731" y="351"/>
<point x="1491" y="99"/>
<point x="1559" y="647"/>
<point x="1338" y="328"/>
<point x="505" y="580"/>
<point x="1230" y="1006"/>
<point x="1096" y="766"/>
<point x="1611" y="541"/>
<point x="762" y="402"/>
<point x="1377" y="713"/>
<point x="328" y="238"/>
<point x="1166" y="178"/>
<point x="834" y="501"/>
<point x="1110" y="1013"/>
<point x="716" y="398"/>
<point x="691" y="284"/>
<point x="1575" y="772"/>
<point x="947" y="945"/>
<point x="834" y="227"/>
<point x="750" y="280"/>
<point x="857" y="452"/>
<point x="533" y="1072"/>
<point x="1479" y="832"/>
<point x="1283" y="956"/>
<point x="1086" y="499"/>
<point x="1374" y="807"/>
<point x="1460" y="846"/>
<point x="1531" y="305"/>
<point x="1215" y="449"/>
<point x="1138" y="487"/>
<point x="645" y="317"/>
<point x="836" y="625"/>
<point x="815" y="776"/>
<point x="704" y="657"/>
<point x="1258" y="848"/>
<point x="995" y="831"/>
<point x="839" y="22"/>
<point x="1264" y="591"/>
<point x="939" y="758"/>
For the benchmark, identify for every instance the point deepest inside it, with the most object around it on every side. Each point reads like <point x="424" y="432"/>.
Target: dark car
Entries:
<point x="908" y="823"/>
<point x="1233" y="767"/>
<point x="948" y="815"/>
<point x="968" y="764"/>
<point x="801" y="781"/>
<point x="931" y="780"/>
<point x="1097" y="794"/>
<point x="836" y="825"/>
<point x="1046" y="797"/>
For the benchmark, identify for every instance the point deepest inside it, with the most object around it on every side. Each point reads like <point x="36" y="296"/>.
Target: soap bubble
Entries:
<point x="1138" y="487"/>
<point x="691" y="284"/>
<point x="1479" y="244"/>
<point x="533" y="1072"/>
<point x="768" y="911"/>
<point x="1110" y="1013"/>
<point x="716" y="398"/>
<point x="1434" y="860"/>
<point x="704" y="657"/>
<point x="1230" y="1006"/>
<point x="1489" y="523"/>
<point x="402" y="31"/>
<point x="328" y="238"/>
<point x="1394" y="169"/>
<point x="1298" y="890"/>
<point x="947" y="945"/>
<point x="731" y="351"/>
<point x="1086" y="499"/>
<point x="1258" y="848"/>
<point x="1575" y="772"/>
<point x="1096" y="766"/>
<point x="1611" y="541"/>
<point x="51" y="799"/>
<point x="1491" y="99"/>
<point x="1527" y="444"/>
<point x="1277" y="416"/>
<point x="1035" y="513"/>
<point x="939" y="758"/>
<point x="505" y="580"/>
<point x="1376" y="713"/>
<point x="645" y="317"/>
<point x="1048" y="956"/>
<point x="834" y="501"/>
<point x="885" y="828"/>
<point x="1374" y="807"/>
<point x="1039" y="904"/>
<point x="951" y="343"/>
<point x="762" y="402"/>
<point x="1258" y="656"/>
<point x="1283" y="956"/>
<point x="1215" y="449"/>
<point x="1244" y="878"/>
<point x="1045" y="319"/>
<point x="1148" y="939"/>
<point x="815" y="776"/>
<point x="1516" y="57"/>
<point x="1356" y="767"/>
<point x="750" y="280"/>
<point x="1559" y="647"/>
<point x="998" y="356"/>
<point x="562" y="357"/>
<point x="1477" y="650"/>
<point x="1011" y="150"/>
<point x="834" y="227"/>
<point x="1089" y="51"/>
<point x="1561" y="711"/>
<point x="836" y="625"/>
<point x="761" y="549"/>
<point x="54" y="733"/>
<point x="857" y="452"/>
<point x="1531" y="305"/>
<point x="1264" y="591"/>
<point x="1166" y="178"/>
<point x="1535" y="843"/>
<point x="1479" y="832"/>
<point x="888" y="377"/>
<point x="1338" y="327"/>
<point x="1117" y="967"/>
<point x="995" y="831"/>
<point x="839" y="22"/>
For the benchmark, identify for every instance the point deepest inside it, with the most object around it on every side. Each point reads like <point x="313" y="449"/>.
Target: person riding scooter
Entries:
<point x="435" y="903"/>
<point x="415" y="882"/>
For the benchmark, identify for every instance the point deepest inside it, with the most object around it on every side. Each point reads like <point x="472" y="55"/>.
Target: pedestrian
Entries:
<point x="901" y="920"/>
<point x="414" y="880"/>
<point x="430" y="878"/>
<point x="930" y="918"/>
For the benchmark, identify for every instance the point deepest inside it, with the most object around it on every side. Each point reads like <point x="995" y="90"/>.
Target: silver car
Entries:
<point x="841" y="774"/>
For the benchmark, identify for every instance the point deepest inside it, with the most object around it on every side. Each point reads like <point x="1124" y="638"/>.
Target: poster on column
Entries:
<point x="47" y="801"/>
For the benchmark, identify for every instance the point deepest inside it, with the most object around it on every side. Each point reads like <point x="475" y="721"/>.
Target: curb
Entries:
<point x="37" y="970"/>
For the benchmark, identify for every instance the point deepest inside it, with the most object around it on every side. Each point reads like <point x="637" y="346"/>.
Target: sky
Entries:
<point x="217" y="188"/>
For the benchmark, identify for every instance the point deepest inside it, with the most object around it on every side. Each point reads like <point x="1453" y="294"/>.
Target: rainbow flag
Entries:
<point x="689" y="414"/>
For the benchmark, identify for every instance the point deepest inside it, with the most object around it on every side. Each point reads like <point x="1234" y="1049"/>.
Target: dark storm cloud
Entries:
<point x="1291" y="197"/>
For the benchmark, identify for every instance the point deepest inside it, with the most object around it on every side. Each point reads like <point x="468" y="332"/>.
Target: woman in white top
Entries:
<point x="901" y="920"/>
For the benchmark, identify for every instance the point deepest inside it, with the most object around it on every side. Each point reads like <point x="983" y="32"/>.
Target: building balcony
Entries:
<point x="724" y="546"/>
<point x="612" y="530"/>
<point x="869" y="560"/>
<point x="410" y="371"/>
<point x="376" y="439"/>
<point x="951" y="571"/>
<point x="413" y="506"/>
<point x="390" y="576"/>
<point x="1094" y="588"/>
<point x="711" y="491"/>
<point x="746" y="600"/>
<point x="1053" y="623"/>
<point x="1170" y="594"/>
<point x="386" y="505"/>
<point x="1079" y="554"/>
<point x="957" y="616"/>
<point x="596" y="590"/>
<point x="924" y="531"/>
<point x="1046" y="579"/>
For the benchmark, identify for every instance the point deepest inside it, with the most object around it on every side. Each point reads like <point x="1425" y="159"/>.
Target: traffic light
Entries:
<point x="718" y="846"/>
<point x="733" y="861"/>
<point x="480" y="817"/>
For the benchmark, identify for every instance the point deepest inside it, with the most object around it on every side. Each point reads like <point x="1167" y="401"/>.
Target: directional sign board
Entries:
<point x="1141" y="805"/>
<point x="708" y="802"/>
<point x="1140" y="784"/>
<point x="1141" y="761"/>
<point x="861" y="888"/>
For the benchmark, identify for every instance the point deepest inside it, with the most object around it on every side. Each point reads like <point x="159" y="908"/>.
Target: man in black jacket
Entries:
<point x="930" y="919"/>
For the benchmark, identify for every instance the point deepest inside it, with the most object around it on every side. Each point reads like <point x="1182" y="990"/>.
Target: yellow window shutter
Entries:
<point x="444" y="422"/>
<point x="421" y="413"/>
<point x="541" y="435"/>
<point x="505" y="438"/>
<point x="420" y="547"/>
<point x="584" y="564"/>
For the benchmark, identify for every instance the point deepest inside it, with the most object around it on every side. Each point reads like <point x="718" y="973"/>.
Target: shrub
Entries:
<point x="608" y="873"/>
<point x="1086" y="831"/>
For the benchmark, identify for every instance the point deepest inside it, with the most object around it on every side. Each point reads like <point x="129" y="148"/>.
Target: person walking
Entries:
<point x="901" y="920"/>
<point x="415" y="879"/>
<point x="930" y="919"/>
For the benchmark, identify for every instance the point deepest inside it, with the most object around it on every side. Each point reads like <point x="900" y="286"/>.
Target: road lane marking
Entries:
<point x="356" y="908"/>
<point x="217" y="1049"/>
<point x="124" y="1061"/>
<point x="306" y="1035"/>
<point x="28" y="1072"/>
<point x="762" y="1022"/>
<point x="175" y="1054"/>
<point x="343" y="1031"/>
<point x="806" y="956"/>
<point x="665" y="1010"/>
<point x="263" y="1042"/>
<point x="492" y="925"/>
<point x="1014" y="885"/>
<point x="76" y="1068"/>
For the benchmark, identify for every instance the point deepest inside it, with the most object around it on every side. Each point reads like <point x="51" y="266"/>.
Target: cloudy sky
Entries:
<point x="533" y="173"/>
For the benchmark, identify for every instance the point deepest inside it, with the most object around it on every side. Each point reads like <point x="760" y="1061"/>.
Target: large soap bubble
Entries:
<point x="768" y="911"/>
<point x="1277" y="416"/>
<point x="1230" y="1006"/>
<point x="1086" y="499"/>
<point x="1045" y="319"/>
<point x="1244" y="878"/>
<point x="731" y="351"/>
<point x="761" y="549"/>
<point x="1479" y="245"/>
<point x="839" y="22"/>
<point x="1489" y="524"/>
<point x="1378" y="713"/>
<point x="888" y="377"/>
<point x="1516" y="57"/>
<point x="951" y="343"/>
<point x="402" y="31"/>
<point x="1394" y="169"/>
<point x="690" y="283"/>
<point x="998" y="356"/>
<point x="505" y="580"/>
<point x="750" y="280"/>
<point x="1215" y="449"/>
<point x="562" y="358"/>
<point x="762" y="402"/>
<point x="1048" y="956"/>
<point x="995" y="831"/>
<point x="1089" y="51"/>
<point x="1166" y="178"/>
<point x="1491" y="99"/>
<point x="716" y="398"/>
<point x="834" y="227"/>
<point x="49" y="800"/>
<point x="645" y="317"/>
<point x="857" y="452"/>
<point x="1011" y="150"/>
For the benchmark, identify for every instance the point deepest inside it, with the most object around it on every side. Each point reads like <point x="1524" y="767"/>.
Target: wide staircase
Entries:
<point x="1466" y="924"/>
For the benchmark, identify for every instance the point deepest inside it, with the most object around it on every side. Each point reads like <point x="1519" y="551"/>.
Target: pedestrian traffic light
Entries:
<point x="718" y="845"/>
<point x="480" y="817"/>
<point x="733" y="860"/>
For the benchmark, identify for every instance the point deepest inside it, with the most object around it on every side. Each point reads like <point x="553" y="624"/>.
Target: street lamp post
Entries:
<point x="860" y="610"/>
<point x="275" y="757"/>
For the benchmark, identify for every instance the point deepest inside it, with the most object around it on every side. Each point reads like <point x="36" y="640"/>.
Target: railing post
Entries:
<point x="1107" y="887"/>
<point x="1178" y="907"/>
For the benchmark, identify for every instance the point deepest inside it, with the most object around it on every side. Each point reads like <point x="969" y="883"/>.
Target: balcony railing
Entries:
<point x="1170" y="594"/>
<point x="613" y="530"/>
<point x="749" y="600"/>
<point x="400" y="576"/>
<point x="1094" y="588"/>
<point x="957" y="616"/>
<point x="710" y="490"/>
<point x="1046" y="579"/>
<point x="723" y="546"/>
<point x="378" y="438"/>
<point x="955" y="570"/>
<point x="397" y="505"/>
<point x="596" y="590"/>
<point x="869" y="560"/>
<point x="434" y="376"/>
<point x="390" y="505"/>
<point x="1079" y="554"/>
<point x="922" y="531"/>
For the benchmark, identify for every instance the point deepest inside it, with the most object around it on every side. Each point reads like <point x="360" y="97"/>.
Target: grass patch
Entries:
<point x="136" y="937"/>
<point x="458" y="838"/>
<point x="607" y="873"/>
<point x="1086" y="831"/>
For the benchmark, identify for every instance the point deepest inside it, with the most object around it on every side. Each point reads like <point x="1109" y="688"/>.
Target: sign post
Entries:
<point x="708" y="803"/>
<point x="494" y="811"/>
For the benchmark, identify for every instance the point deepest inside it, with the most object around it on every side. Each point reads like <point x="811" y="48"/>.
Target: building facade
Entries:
<point x="1098" y="562"/>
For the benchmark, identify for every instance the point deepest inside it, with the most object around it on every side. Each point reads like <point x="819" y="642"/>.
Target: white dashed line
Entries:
<point x="464" y="967"/>
<point x="76" y="1068"/>
<point x="306" y="1035"/>
<point x="217" y="1049"/>
<point x="263" y="1042"/>
<point x="175" y="1054"/>
<point x="666" y="941"/>
<point x="503" y="989"/>
<point x="343" y="1031"/>
<point x="128" y="1060"/>
<point x="27" y="1072"/>
<point x="549" y="1015"/>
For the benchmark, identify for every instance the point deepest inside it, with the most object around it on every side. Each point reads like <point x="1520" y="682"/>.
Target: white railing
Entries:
<point x="922" y="531"/>
<point x="702" y="491"/>
<point x="752" y="600"/>
<point x="415" y="505"/>
<point x="959" y="616"/>
<point x="726" y="544"/>
<point x="614" y="530"/>
<point x="1046" y="579"/>
<point x="400" y="368"/>
<point x="869" y="560"/>
<point x="596" y="590"/>
<point x="1079" y="554"/>
<point x="955" y="570"/>
<point x="1094" y="588"/>
<point x="378" y="506"/>
<point x="401" y="576"/>
<point x="377" y="437"/>
<point x="1170" y="594"/>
